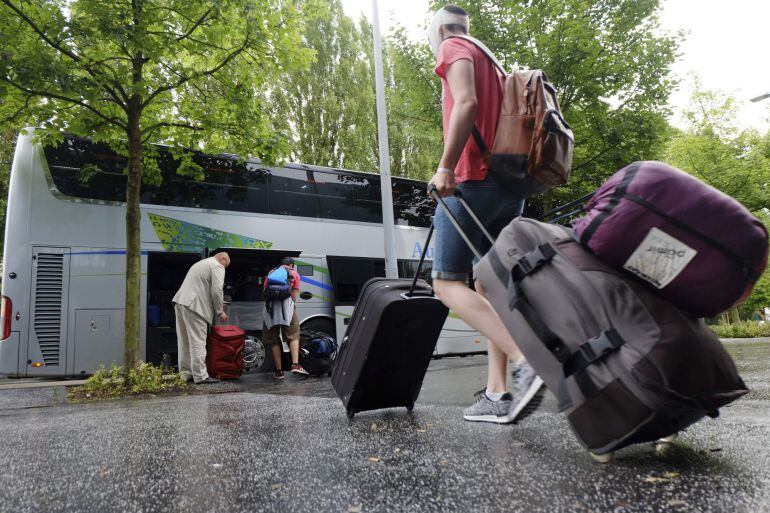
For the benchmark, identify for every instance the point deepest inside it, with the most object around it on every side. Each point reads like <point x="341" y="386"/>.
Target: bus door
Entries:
<point x="348" y="276"/>
<point x="244" y="280"/>
<point x="47" y="347"/>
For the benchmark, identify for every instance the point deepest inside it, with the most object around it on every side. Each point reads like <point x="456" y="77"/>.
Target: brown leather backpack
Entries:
<point x="532" y="151"/>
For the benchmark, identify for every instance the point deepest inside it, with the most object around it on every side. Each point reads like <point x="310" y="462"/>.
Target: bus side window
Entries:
<point x="407" y="268"/>
<point x="349" y="274"/>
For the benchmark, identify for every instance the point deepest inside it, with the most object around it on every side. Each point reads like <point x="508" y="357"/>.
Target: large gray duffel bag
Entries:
<point x="625" y="365"/>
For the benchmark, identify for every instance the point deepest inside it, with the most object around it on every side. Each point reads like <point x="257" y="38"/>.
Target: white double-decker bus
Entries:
<point x="63" y="281"/>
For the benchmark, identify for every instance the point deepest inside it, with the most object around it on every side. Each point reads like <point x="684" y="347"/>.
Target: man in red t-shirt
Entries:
<point x="472" y="88"/>
<point x="282" y="314"/>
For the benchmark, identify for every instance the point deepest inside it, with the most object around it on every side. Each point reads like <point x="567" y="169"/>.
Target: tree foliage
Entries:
<point x="737" y="162"/>
<point x="414" y="108"/>
<point x="8" y="135"/>
<point x="330" y="108"/>
<point x="128" y="72"/>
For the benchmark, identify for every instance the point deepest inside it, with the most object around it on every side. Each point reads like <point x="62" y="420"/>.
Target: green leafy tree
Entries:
<point x="713" y="148"/>
<point x="7" y="138"/>
<point x="129" y="72"/>
<point x="331" y="107"/>
<point x="414" y="108"/>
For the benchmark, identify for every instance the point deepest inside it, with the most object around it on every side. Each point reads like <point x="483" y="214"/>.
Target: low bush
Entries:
<point x="746" y="329"/>
<point x="113" y="382"/>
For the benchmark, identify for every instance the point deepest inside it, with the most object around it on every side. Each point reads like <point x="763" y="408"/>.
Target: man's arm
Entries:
<point x="462" y="83"/>
<point x="217" y="291"/>
<point x="295" y="280"/>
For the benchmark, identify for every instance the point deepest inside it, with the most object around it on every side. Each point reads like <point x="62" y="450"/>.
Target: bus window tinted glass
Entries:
<point x="411" y="204"/>
<point x="232" y="185"/>
<point x="407" y="268"/>
<point x="349" y="274"/>
<point x="305" y="270"/>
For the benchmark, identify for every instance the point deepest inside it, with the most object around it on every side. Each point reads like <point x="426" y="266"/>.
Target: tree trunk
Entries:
<point x="133" y="242"/>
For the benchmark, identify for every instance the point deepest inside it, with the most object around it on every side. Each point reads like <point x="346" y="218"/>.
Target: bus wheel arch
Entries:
<point x="323" y="323"/>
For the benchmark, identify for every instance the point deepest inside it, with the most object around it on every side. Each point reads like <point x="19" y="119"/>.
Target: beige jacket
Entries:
<point x="202" y="289"/>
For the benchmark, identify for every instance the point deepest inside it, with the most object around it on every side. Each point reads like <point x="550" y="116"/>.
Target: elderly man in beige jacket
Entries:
<point x="199" y="298"/>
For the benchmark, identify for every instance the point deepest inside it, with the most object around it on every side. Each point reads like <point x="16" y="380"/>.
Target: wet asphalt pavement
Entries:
<point x="288" y="446"/>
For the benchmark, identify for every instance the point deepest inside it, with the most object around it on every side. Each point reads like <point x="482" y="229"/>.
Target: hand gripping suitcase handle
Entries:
<point x="452" y="219"/>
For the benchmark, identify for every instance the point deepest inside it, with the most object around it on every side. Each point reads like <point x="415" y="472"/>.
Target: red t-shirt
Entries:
<point x="489" y="91"/>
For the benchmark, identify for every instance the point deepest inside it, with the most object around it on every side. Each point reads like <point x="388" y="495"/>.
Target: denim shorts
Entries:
<point x="493" y="205"/>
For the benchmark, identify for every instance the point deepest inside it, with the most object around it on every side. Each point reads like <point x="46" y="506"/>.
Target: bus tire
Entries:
<point x="266" y="354"/>
<point x="321" y="324"/>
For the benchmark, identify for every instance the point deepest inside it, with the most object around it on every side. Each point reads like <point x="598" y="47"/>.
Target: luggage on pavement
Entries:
<point x="626" y="365"/>
<point x="698" y="247"/>
<point x="317" y="351"/>
<point x="533" y="145"/>
<point x="386" y="350"/>
<point x="224" y="351"/>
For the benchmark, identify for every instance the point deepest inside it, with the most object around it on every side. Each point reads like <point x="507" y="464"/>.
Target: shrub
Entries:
<point x="112" y="382"/>
<point x="746" y="329"/>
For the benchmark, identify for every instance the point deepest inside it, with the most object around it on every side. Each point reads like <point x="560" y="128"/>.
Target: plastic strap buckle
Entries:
<point x="532" y="261"/>
<point x="594" y="349"/>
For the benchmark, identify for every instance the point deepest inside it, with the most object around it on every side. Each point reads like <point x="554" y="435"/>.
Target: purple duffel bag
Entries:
<point x="700" y="248"/>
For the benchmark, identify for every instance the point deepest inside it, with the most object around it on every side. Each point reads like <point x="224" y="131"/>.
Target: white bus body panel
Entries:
<point x="92" y="234"/>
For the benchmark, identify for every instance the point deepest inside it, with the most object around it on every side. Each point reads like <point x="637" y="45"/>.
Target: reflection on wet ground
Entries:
<point x="265" y="446"/>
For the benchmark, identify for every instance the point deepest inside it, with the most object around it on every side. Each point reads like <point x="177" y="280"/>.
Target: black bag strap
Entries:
<point x="517" y="300"/>
<point x="532" y="261"/>
<point x="592" y="350"/>
<point x="551" y="341"/>
<point x="479" y="140"/>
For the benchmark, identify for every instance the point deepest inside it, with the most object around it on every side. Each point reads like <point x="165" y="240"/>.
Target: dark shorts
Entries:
<point x="493" y="205"/>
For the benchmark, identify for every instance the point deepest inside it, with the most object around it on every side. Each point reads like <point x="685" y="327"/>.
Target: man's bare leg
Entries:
<point x="276" y="349"/>
<point x="476" y="311"/>
<point x="497" y="369"/>
<point x="497" y="372"/>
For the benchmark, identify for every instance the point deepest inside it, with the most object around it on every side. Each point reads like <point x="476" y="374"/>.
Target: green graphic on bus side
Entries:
<point x="179" y="236"/>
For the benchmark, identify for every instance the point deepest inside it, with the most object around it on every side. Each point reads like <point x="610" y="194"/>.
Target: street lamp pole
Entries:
<point x="391" y="267"/>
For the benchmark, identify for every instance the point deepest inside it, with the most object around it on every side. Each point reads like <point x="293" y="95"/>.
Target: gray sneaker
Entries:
<point x="529" y="392"/>
<point x="487" y="410"/>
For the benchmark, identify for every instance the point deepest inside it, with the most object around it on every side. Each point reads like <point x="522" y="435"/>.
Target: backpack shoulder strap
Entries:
<point x="486" y="51"/>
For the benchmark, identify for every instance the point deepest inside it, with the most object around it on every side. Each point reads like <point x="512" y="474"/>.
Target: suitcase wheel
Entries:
<point x="410" y="407"/>
<point x="602" y="458"/>
<point x="668" y="439"/>
<point x="351" y="414"/>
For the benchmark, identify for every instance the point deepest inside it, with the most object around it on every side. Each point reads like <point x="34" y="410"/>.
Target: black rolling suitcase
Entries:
<point x="389" y="342"/>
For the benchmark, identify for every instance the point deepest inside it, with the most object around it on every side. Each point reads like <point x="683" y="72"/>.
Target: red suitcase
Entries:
<point x="224" y="352"/>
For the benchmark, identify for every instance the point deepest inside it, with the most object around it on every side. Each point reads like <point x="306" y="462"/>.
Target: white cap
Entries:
<point x="443" y="17"/>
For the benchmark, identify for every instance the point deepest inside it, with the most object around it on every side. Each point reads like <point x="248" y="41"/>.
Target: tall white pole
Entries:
<point x="391" y="262"/>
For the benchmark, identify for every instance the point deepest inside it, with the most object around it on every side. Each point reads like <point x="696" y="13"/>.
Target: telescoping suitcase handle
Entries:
<point x="434" y="194"/>
<point x="452" y="219"/>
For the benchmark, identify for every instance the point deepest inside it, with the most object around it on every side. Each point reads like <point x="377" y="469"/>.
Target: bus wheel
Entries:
<point x="322" y="325"/>
<point x="262" y="358"/>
